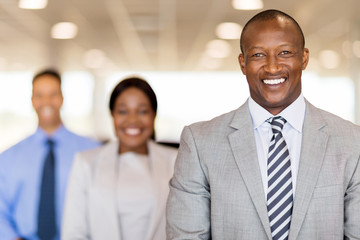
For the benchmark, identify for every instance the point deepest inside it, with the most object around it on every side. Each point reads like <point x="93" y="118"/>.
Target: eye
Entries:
<point x="120" y="111"/>
<point x="285" y="52"/>
<point x="55" y="94"/>
<point x="258" y="55"/>
<point x="143" y="111"/>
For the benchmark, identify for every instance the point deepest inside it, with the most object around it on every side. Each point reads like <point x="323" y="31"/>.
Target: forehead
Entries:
<point x="46" y="81"/>
<point x="279" y="30"/>
<point x="132" y="93"/>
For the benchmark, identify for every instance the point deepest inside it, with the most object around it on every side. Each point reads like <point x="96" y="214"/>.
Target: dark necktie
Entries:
<point x="279" y="196"/>
<point x="46" y="215"/>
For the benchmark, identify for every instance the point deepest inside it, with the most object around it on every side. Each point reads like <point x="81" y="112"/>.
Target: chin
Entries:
<point x="131" y="141"/>
<point x="276" y="100"/>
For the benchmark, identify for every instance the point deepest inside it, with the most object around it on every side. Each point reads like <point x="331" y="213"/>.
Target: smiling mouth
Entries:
<point x="132" y="131"/>
<point x="274" y="81"/>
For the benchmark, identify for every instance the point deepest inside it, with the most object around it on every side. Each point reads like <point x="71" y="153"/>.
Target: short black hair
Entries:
<point x="138" y="83"/>
<point x="270" y="14"/>
<point x="52" y="72"/>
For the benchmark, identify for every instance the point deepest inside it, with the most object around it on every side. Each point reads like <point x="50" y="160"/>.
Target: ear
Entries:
<point x="305" y="58"/>
<point x="32" y="100"/>
<point x="241" y="60"/>
<point x="62" y="99"/>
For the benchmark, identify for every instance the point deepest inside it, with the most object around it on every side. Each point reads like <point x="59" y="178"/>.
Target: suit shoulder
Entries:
<point x="93" y="152"/>
<point x="165" y="148"/>
<point x="91" y="156"/>
<point x="339" y="126"/>
<point x="337" y="120"/>
<point x="215" y="123"/>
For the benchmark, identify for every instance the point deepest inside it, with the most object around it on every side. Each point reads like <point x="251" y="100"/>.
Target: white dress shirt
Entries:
<point x="292" y="132"/>
<point x="135" y="195"/>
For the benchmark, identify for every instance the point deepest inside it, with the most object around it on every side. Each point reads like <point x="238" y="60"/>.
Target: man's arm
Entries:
<point x="352" y="206"/>
<point x="7" y="230"/>
<point x="188" y="206"/>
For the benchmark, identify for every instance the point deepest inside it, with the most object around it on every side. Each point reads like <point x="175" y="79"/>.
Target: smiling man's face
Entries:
<point x="273" y="59"/>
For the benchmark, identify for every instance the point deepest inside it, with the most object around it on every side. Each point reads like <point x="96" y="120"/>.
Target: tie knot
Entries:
<point x="50" y="142"/>
<point x="277" y="124"/>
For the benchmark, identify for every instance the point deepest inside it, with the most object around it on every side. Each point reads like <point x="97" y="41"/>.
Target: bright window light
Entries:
<point x="15" y="93"/>
<point x="208" y="94"/>
<point x="78" y="88"/>
<point x="78" y="91"/>
<point x="342" y="105"/>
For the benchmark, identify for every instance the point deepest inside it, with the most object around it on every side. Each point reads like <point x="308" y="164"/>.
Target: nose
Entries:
<point x="272" y="65"/>
<point x="45" y="100"/>
<point x="132" y="117"/>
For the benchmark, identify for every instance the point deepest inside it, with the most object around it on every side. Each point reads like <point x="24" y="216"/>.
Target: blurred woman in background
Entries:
<point x="119" y="190"/>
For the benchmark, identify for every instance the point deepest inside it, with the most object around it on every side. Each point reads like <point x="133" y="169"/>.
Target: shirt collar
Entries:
<point x="57" y="135"/>
<point x="294" y="113"/>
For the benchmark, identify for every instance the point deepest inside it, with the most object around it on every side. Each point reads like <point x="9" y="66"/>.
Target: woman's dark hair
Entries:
<point x="138" y="83"/>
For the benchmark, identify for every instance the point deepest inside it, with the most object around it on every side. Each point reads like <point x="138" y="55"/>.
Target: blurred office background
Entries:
<point x="186" y="49"/>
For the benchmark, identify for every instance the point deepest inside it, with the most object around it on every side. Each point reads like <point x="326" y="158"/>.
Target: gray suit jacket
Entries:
<point x="91" y="200"/>
<point x="217" y="193"/>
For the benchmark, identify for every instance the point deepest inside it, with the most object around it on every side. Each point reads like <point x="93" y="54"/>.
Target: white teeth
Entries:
<point x="274" y="81"/>
<point x="132" y="131"/>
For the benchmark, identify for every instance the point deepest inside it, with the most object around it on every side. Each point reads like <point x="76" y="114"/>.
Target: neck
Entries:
<point x="49" y="129"/>
<point x="140" y="150"/>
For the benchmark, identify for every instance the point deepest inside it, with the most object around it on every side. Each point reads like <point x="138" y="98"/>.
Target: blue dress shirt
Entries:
<point x="20" y="180"/>
<point x="292" y="132"/>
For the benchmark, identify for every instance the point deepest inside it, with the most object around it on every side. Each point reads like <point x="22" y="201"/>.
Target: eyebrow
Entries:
<point x="140" y="105"/>
<point x="287" y="45"/>
<point x="255" y="48"/>
<point x="282" y="45"/>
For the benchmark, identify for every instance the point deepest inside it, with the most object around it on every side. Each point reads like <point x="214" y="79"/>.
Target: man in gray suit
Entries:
<point x="275" y="168"/>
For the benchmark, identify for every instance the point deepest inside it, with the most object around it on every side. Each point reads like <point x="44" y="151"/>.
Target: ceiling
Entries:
<point x="158" y="35"/>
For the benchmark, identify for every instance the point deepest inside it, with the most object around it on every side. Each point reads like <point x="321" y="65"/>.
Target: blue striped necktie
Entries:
<point x="280" y="193"/>
<point x="46" y="214"/>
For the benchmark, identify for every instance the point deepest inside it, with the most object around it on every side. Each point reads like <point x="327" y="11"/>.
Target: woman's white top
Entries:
<point x="136" y="195"/>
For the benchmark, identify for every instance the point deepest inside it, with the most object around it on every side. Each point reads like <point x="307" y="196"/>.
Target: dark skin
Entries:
<point x="47" y="100"/>
<point x="273" y="59"/>
<point x="133" y="119"/>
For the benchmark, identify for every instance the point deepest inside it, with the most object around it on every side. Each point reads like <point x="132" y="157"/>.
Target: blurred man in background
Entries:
<point x="34" y="172"/>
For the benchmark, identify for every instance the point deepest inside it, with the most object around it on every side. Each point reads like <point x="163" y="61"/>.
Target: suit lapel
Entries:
<point x="314" y="143"/>
<point x="106" y="182"/>
<point x="159" y="169"/>
<point x="242" y="143"/>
